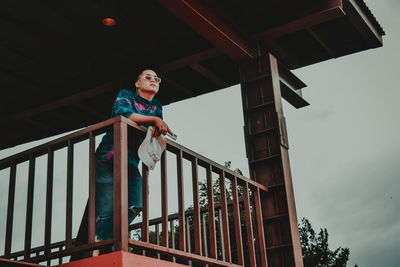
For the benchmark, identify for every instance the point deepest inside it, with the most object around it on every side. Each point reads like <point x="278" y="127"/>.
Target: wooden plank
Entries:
<point x="120" y="186"/>
<point x="164" y="200"/>
<point x="181" y="254"/>
<point x="68" y="217"/>
<point x="236" y="215"/>
<point x="249" y="226"/>
<point x="211" y="214"/>
<point x="204" y="233"/>
<point x="188" y="239"/>
<point x="65" y="253"/>
<point x="225" y="221"/>
<point x="260" y="228"/>
<point x="49" y="200"/>
<point x="145" y="203"/>
<point x="196" y="208"/>
<point x="65" y="101"/>
<point x="10" y="210"/>
<point x="29" y="208"/>
<point x="158" y="238"/>
<point x="221" y="234"/>
<point x="92" y="189"/>
<point x="325" y="11"/>
<point x="181" y="202"/>
<point x="186" y="61"/>
<point x="212" y="27"/>
<point x="209" y="75"/>
<point x="172" y="226"/>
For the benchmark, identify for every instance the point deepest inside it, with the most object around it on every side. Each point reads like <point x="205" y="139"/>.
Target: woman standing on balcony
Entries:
<point x="142" y="108"/>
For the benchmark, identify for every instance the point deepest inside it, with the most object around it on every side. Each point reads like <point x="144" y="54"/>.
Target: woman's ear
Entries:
<point x="137" y="84"/>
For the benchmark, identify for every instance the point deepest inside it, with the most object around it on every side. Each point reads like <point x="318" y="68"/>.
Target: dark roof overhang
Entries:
<point x="59" y="63"/>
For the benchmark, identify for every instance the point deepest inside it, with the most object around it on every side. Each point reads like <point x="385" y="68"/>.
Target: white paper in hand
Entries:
<point x="151" y="149"/>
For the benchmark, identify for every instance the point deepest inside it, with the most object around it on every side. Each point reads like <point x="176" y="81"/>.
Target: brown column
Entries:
<point x="267" y="152"/>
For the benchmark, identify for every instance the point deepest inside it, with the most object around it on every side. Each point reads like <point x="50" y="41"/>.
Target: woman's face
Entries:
<point x="147" y="82"/>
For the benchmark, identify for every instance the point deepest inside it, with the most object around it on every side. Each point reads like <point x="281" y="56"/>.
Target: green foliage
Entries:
<point x="316" y="252"/>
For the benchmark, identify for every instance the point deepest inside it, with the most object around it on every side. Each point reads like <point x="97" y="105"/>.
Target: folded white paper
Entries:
<point x="151" y="149"/>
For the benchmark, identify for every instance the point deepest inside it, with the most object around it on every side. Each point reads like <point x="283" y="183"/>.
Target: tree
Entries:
<point x="316" y="252"/>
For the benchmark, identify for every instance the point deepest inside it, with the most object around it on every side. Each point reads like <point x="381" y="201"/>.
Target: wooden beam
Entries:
<point x="326" y="11"/>
<point x="65" y="101"/>
<point x="212" y="28"/>
<point x="42" y="126"/>
<point x="98" y="115"/>
<point x="186" y="61"/>
<point x="281" y="54"/>
<point x="321" y="42"/>
<point x="209" y="75"/>
<point x="177" y="85"/>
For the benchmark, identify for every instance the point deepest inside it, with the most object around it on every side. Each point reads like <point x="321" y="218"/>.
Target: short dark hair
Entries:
<point x="141" y="73"/>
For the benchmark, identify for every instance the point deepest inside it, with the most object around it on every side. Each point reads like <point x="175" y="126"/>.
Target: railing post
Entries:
<point x="226" y="248"/>
<point x="92" y="190"/>
<point x="211" y="215"/>
<point x="164" y="200"/>
<point x="145" y="203"/>
<point x="49" y="200"/>
<point x="68" y="217"/>
<point x="29" y="208"/>
<point x="10" y="210"/>
<point x="181" y="203"/>
<point x="196" y="208"/>
<point x="120" y="186"/>
<point x="249" y="225"/>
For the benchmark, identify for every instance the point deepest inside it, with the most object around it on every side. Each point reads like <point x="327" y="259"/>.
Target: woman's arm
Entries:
<point x="159" y="124"/>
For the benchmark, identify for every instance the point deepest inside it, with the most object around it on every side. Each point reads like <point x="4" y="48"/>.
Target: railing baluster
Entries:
<point x="10" y="210"/>
<point x="158" y="238"/>
<point x="260" y="228"/>
<point x="68" y="217"/>
<point x="164" y="200"/>
<point x="221" y="233"/>
<point x="211" y="213"/>
<point x="196" y="208"/>
<point x="204" y="232"/>
<point x="189" y="245"/>
<point x="236" y="214"/>
<point x="172" y="226"/>
<point x="120" y="186"/>
<point x="29" y="208"/>
<point x="226" y="248"/>
<point x="145" y="203"/>
<point x="92" y="189"/>
<point x="60" y="261"/>
<point x="49" y="200"/>
<point x="181" y="203"/>
<point x="249" y="224"/>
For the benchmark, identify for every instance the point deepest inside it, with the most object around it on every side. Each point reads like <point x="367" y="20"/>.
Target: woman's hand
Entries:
<point x="160" y="128"/>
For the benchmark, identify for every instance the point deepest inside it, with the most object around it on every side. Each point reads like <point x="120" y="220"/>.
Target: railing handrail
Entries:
<point x="102" y="127"/>
<point x="75" y="136"/>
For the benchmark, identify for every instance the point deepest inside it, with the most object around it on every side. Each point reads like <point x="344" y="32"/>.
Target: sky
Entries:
<point x="344" y="147"/>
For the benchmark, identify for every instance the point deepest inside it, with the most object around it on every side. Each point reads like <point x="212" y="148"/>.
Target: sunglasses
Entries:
<point x="149" y="78"/>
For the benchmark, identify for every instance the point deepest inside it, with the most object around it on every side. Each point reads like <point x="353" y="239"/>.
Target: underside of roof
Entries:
<point x="61" y="67"/>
